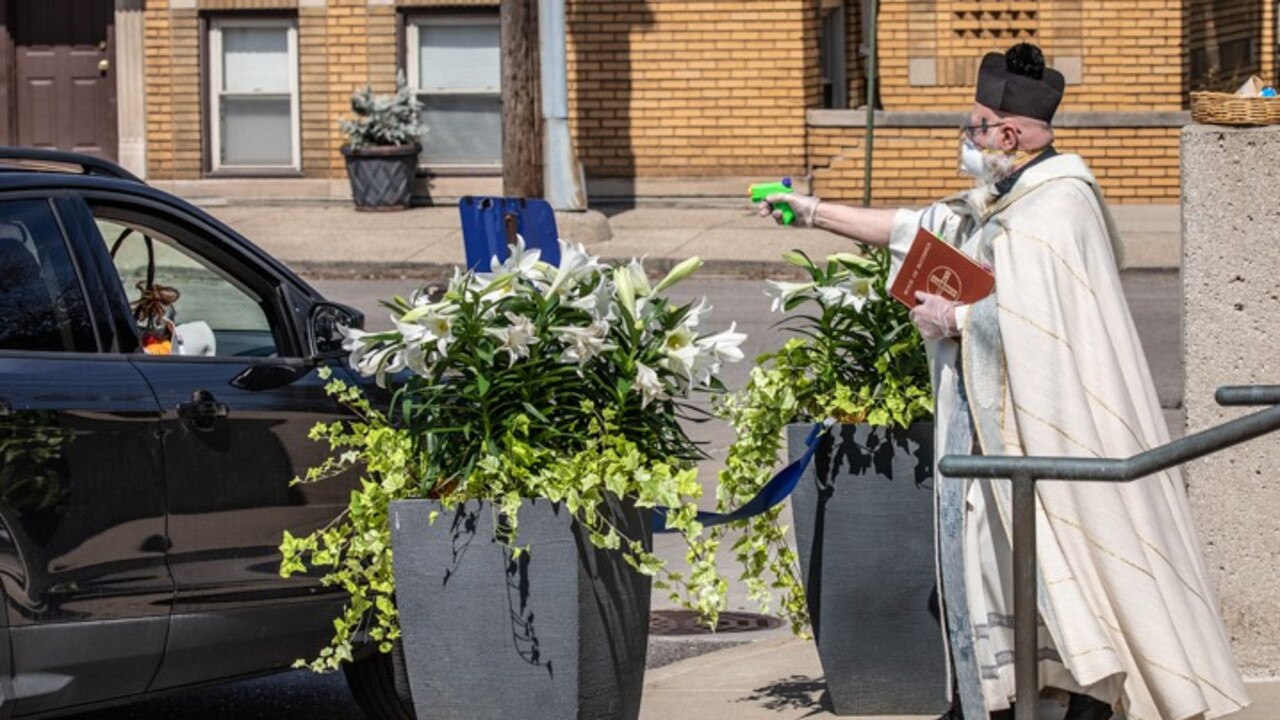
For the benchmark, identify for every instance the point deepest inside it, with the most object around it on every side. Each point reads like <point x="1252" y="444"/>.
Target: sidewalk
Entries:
<point x="336" y="241"/>
<point x="778" y="677"/>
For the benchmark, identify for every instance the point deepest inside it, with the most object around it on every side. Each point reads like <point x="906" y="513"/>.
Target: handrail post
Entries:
<point x="1026" y="613"/>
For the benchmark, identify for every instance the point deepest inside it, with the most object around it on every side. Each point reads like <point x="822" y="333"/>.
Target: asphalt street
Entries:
<point x="301" y="695"/>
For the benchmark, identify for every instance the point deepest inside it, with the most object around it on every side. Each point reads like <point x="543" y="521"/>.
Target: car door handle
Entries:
<point x="203" y="411"/>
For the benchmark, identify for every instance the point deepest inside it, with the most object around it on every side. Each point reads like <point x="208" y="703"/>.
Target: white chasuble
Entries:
<point x="1053" y="366"/>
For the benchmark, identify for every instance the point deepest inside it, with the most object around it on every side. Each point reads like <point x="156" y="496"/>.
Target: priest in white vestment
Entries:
<point x="1050" y="365"/>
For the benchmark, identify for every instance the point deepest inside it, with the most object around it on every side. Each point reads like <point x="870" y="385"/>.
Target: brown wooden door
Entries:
<point x="64" y="67"/>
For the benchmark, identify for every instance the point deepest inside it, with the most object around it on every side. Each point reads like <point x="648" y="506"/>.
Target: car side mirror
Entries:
<point x="324" y="334"/>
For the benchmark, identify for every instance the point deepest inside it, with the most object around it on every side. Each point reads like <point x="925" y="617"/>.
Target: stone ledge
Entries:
<point x="907" y="119"/>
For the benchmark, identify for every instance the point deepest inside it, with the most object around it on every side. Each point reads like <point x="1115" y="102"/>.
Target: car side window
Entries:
<point x="184" y="304"/>
<point x="42" y="305"/>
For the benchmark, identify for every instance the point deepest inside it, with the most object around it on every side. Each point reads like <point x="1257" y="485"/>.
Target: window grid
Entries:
<point x="219" y="94"/>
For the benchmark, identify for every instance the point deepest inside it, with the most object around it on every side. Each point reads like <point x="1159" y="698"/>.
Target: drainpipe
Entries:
<point x="562" y="173"/>
<point x="871" y="101"/>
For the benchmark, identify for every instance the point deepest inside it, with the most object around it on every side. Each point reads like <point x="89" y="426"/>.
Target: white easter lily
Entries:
<point x="681" y="352"/>
<point x="598" y="302"/>
<point x="714" y="351"/>
<point x="517" y="337"/>
<point x="782" y="291"/>
<point x="522" y="262"/>
<point x="696" y="313"/>
<point x="583" y="343"/>
<point x="649" y="385"/>
<point x="575" y="263"/>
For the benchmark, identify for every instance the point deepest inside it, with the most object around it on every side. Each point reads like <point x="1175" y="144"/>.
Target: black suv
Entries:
<point x="143" y="495"/>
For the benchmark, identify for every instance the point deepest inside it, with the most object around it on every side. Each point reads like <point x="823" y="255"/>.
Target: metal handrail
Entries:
<point x="1026" y="471"/>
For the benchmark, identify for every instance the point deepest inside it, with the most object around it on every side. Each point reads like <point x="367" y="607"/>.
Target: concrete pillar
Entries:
<point x="131" y="91"/>
<point x="1231" y="335"/>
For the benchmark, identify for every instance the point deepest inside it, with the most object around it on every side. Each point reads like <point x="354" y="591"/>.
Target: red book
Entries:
<point x="935" y="267"/>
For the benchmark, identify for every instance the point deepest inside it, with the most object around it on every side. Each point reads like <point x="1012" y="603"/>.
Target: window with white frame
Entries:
<point x="253" y="81"/>
<point x="454" y="63"/>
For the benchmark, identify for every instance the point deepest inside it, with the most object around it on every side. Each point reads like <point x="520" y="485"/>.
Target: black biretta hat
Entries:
<point x="1017" y="82"/>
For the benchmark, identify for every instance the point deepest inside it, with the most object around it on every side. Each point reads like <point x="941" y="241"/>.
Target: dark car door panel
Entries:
<point x="143" y="498"/>
<point x="82" y="529"/>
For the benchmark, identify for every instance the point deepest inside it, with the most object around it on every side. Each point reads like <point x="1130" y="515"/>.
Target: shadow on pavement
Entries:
<point x="798" y="692"/>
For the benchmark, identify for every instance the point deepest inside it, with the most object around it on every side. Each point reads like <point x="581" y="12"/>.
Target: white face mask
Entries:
<point x="972" y="159"/>
<point x="987" y="166"/>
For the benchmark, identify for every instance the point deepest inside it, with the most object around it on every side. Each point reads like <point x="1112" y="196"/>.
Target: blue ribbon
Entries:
<point x="774" y="492"/>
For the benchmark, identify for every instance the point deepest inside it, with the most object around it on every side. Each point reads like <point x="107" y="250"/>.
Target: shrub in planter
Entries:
<point x="528" y="393"/>
<point x="383" y="142"/>
<point x="863" y="574"/>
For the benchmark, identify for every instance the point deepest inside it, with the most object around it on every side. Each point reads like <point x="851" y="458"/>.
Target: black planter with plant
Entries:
<point x="863" y="517"/>
<point x="862" y="572"/>
<point x="383" y="143"/>
<point x="561" y="627"/>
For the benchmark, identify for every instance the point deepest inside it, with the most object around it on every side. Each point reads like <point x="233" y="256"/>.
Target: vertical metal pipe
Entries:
<point x="1025" y="611"/>
<point x="563" y="176"/>
<point x="872" y="69"/>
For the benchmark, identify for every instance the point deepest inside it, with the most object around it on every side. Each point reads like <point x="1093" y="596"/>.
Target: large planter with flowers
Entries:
<point x="558" y="631"/>
<point x="533" y="426"/>
<point x="861" y="575"/>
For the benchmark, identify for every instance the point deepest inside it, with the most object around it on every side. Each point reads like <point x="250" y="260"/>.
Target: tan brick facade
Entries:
<point x="704" y="89"/>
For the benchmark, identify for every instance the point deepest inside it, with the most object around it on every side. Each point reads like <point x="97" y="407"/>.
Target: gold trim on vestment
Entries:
<point x="1057" y="429"/>
<point x="1033" y="324"/>
<point x="1009" y="230"/>
<point x="1141" y="443"/>
<point x="1196" y="680"/>
<point x="1090" y="539"/>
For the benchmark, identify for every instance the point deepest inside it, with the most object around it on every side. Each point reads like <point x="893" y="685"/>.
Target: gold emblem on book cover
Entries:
<point x="945" y="282"/>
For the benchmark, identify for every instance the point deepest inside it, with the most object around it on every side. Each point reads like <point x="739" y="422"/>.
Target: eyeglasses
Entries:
<point x="975" y="131"/>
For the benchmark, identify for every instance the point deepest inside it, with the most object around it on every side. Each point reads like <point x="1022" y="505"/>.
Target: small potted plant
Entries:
<point x="383" y="142"/>
<point x="503" y="532"/>
<point x="862" y="573"/>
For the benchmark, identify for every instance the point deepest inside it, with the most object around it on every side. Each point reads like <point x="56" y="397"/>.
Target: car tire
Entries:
<point x="380" y="685"/>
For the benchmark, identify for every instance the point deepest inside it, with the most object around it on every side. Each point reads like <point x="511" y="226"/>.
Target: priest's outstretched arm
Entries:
<point x="866" y="225"/>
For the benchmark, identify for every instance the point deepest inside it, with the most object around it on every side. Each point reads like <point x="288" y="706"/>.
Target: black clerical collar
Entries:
<point x="1004" y="186"/>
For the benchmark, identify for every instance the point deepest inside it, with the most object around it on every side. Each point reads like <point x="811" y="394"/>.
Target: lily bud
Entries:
<point x="678" y="273"/>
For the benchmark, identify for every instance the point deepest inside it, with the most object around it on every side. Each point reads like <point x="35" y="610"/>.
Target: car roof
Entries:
<point x="51" y="170"/>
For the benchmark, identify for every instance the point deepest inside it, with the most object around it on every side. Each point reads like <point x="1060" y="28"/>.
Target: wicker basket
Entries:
<point x="1215" y="108"/>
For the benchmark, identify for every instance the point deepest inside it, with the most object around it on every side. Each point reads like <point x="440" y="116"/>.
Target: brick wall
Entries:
<point x="912" y="166"/>
<point x="693" y="89"/>
<point x="1118" y="56"/>
<point x="719" y="88"/>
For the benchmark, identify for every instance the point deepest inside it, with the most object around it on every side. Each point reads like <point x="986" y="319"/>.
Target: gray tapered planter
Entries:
<point x="863" y="515"/>
<point x="559" y="633"/>
<point x="381" y="177"/>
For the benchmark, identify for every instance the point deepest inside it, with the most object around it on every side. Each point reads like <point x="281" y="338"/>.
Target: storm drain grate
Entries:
<point x="685" y="622"/>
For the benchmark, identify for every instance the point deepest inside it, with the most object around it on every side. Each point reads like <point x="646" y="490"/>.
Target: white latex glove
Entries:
<point x="935" y="316"/>
<point x="804" y="206"/>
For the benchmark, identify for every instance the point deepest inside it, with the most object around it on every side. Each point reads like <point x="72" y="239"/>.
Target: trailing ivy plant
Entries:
<point x="529" y="381"/>
<point x="857" y="359"/>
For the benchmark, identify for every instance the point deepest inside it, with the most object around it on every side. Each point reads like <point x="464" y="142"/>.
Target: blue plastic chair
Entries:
<point x="490" y="224"/>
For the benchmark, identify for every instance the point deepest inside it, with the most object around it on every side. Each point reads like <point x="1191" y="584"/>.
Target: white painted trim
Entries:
<point x="215" y="90"/>
<point x="131" y="91"/>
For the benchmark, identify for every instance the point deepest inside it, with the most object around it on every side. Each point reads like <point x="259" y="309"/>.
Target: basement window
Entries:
<point x="454" y="62"/>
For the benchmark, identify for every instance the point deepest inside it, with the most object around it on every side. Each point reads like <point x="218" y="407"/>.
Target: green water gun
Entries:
<point x="760" y="191"/>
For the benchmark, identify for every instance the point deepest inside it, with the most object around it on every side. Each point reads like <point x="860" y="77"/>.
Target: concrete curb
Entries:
<point x="437" y="272"/>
